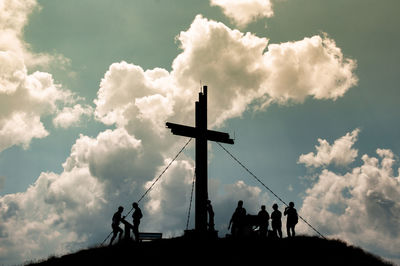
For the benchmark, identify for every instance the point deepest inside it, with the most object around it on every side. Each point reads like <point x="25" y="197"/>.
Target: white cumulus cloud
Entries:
<point x="237" y="71"/>
<point x="49" y="216"/>
<point x="65" y="211"/>
<point x="312" y="67"/>
<point x="361" y="206"/>
<point x="71" y="116"/>
<point x="340" y="153"/>
<point x="25" y="97"/>
<point x="20" y="129"/>
<point x="21" y="107"/>
<point x="242" y="12"/>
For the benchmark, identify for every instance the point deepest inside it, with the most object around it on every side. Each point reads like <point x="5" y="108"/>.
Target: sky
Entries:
<point x="308" y="88"/>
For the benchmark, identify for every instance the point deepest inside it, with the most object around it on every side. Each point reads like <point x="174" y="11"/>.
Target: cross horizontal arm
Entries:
<point x="193" y="132"/>
<point x="182" y="130"/>
<point x="219" y="137"/>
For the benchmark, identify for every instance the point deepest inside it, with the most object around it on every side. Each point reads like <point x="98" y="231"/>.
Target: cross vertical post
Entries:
<point x="202" y="135"/>
<point x="201" y="163"/>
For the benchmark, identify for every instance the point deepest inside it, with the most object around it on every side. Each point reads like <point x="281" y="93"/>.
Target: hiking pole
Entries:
<point x="106" y="238"/>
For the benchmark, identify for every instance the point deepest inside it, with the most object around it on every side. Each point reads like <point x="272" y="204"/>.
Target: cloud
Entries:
<point x="14" y="17"/>
<point x="25" y="97"/>
<point x="114" y="157"/>
<point x="360" y="206"/>
<point x="228" y="61"/>
<point x="243" y="12"/>
<point x="169" y="200"/>
<point x="20" y="129"/>
<point x="71" y="116"/>
<point x="22" y="107"/>
<point x="49" y="215"/>
<point x="240" y="73"/>
<point x="341" y="153"/>
<point x="128" y="94"/>
<point x="236" y="69"/>
<point x="65" y="211"/>
<point x="312" y="67"/>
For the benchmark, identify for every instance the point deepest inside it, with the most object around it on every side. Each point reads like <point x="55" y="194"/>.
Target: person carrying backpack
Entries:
<point x="292" y="219"/>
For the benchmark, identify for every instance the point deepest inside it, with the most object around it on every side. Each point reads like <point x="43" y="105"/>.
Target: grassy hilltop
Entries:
<point x="302" y="250"/>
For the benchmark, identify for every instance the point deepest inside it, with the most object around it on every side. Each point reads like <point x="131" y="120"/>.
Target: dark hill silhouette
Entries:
<point x="302" y="250"/>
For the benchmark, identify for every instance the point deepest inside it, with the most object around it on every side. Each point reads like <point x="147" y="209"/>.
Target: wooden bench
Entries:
<point x="149" y="236"/>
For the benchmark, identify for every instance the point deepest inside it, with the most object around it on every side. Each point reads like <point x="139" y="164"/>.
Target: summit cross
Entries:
<point x="202" y="135"/>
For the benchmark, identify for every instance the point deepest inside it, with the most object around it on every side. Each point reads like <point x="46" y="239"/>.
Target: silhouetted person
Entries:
<point x="237" y="220"/>
<point x="292" y="219"/>
<point x="136" y="216"/>
<point x="276" y="222"/>
<point x="210" y="212"/>
<point x="116" y="220"/>
<point x="263" y="219"/>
